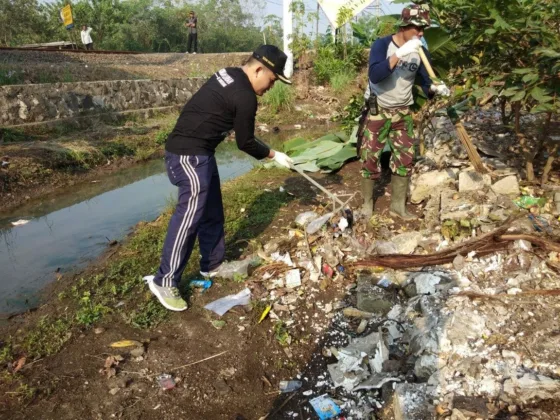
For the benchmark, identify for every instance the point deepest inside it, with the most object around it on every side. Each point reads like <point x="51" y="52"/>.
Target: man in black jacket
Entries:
<point x="227" y="101"/>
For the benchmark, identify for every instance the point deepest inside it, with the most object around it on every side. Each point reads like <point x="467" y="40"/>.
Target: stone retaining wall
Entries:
<point x="21" y="104"/>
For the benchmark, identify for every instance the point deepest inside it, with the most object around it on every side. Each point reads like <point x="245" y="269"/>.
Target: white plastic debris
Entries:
<point x="317" y="224"/>
<point x="293" y="279"/>
<point x="303" y="219"/>
<point x="381" y="354"/>
<point x="343" y="224"/>
<point x="221" y="306"/>
<point x="286" y="259"/>
<point x="20" y="222"/>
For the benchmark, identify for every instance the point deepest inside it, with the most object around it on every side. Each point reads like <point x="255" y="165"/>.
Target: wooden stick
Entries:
<point x="537" y="240"/>
<point x="193" y="363"/>
<point x="474" y="157"/>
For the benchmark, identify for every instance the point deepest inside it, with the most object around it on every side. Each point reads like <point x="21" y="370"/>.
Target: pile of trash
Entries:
<point x="460" y="339"/>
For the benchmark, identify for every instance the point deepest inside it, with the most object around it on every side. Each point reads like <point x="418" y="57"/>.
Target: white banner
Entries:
<point x="332" y="7"/>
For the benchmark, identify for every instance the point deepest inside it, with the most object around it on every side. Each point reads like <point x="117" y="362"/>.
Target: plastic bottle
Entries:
<point x="289" y="386"/>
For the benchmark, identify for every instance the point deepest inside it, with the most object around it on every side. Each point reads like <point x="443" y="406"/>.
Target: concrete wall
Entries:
<point x="21" y="104"/>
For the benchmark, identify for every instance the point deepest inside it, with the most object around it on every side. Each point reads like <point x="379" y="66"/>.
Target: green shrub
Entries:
<point x="352" y="111"/>
<point x="161" y="135"/>
<point x="340" y="81"/>
<point x="280" y="97"/>
<point x="326" y="64"/>
<point x="330" y="62"/>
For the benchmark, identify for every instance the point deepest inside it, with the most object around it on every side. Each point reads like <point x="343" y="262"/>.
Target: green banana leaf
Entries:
<point x="290" y="144"/>
<point x="321" y="150"/>
<point x="336" y="161"/>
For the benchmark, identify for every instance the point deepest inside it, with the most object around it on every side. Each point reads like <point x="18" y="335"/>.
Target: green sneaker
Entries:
<point x="168" y="296"/>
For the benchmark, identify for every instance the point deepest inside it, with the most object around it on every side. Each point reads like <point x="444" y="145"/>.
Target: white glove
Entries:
<point x="409" y="47"/>
<point x="440" y="89"/>
<point x="283" y="159"/>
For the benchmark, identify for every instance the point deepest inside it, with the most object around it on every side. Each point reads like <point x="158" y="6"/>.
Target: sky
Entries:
<point x="274" y="7"/>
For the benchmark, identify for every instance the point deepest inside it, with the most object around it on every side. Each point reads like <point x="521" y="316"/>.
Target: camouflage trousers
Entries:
<point x="393" y="129"/>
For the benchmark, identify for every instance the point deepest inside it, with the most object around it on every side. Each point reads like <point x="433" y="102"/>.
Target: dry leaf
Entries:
<point x="19" y="364"/>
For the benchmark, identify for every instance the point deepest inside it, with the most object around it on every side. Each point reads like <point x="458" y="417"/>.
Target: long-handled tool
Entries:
<point x="466" y="141"/>
<point x="346" y="211"/>
<point x="343" y="205"/>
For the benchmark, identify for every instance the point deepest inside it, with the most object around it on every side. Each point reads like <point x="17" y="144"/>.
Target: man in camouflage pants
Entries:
<point x="394" y="63"/>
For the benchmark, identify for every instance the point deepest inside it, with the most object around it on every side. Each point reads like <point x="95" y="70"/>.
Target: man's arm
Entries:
<point x="89" y="30"/>
<point x="244" y="125"/>
<point x="381" y="67"/>
<point x="425" y="80"/>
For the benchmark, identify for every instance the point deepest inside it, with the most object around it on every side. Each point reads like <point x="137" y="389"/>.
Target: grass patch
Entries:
<point x="47" y="338"/>
<point x="280" y="98"/>
<point x="116" y="149"/>
<point x="340" y="81"/>
<point x="162" y="134"/>
<point x="10" y="76"/>
<point x="12" y="135"/>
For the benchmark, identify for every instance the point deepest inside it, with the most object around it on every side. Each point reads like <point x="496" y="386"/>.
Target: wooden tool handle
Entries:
<point x="427" y="63"/>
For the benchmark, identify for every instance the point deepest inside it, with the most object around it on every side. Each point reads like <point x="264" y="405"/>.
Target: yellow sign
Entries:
<point x="66" y="14"/>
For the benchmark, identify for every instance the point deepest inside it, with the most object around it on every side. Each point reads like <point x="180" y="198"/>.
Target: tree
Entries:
<point x="509" y="50"/>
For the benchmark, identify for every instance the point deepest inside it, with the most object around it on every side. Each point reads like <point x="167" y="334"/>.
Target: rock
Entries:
<point x="473" y="181"/>
<point x="425" y="366"/>
<point x="453" y="208"/>
<point x="459" y="262"/>
<point x="382" y="248"/>
<point x="427" y="183"/>
<point x="99" y="330"/>
<point x="506" y="186"/>
<point x="410" y="402"/>
<point x="531" y="386"/>
<point x="114" y="391"/>
<point x="138" y="351"/>
<point x="458" y="415"/>
<point x="222" y="387"/>
<point x="362" y="327"/>
<point x="372" y="298"/>
<point x="410" y="290"/>
<point x="426" y="283"/>
<point x="392" y="365"/>
<point x="407" y="242"/>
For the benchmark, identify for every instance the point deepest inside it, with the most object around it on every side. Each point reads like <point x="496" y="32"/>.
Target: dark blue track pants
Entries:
<point x="199" y="213"/>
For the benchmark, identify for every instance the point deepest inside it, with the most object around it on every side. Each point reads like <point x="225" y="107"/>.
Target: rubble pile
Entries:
<point x="477" y="337"/>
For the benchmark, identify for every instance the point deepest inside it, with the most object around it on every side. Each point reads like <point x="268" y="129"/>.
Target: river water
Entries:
<point x="67" y="230"/>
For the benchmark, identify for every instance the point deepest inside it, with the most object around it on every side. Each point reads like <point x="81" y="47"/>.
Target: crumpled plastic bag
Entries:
<point x="221" y="306"/>
<point x="317" y="224"/>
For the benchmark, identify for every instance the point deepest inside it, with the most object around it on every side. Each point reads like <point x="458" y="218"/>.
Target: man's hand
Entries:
<point x="409" y="47"/>
<point x="441" y="90"/>
<point x="282" y="159"/>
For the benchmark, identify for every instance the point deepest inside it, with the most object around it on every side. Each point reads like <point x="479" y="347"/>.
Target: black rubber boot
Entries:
<point x="367" y="187"/>
<point x="399" y="188"/>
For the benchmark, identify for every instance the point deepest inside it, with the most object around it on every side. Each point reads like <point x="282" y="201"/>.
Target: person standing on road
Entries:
<point x="394" y="63"/>
<point x="86" y="37"/>
<point x="228" y="100"/>
<point x="192" y="40"/>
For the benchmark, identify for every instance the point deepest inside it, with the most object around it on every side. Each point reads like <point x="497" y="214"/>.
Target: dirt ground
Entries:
<point x="241" y="383"/>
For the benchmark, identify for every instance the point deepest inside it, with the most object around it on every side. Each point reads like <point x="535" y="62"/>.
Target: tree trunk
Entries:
<point x="548" y="165"/>
<point x="503" y="104"/>
<point x="517" y="111"/>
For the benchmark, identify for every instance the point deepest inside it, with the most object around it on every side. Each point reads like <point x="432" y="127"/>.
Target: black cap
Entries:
<point x="274" y="59"/>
